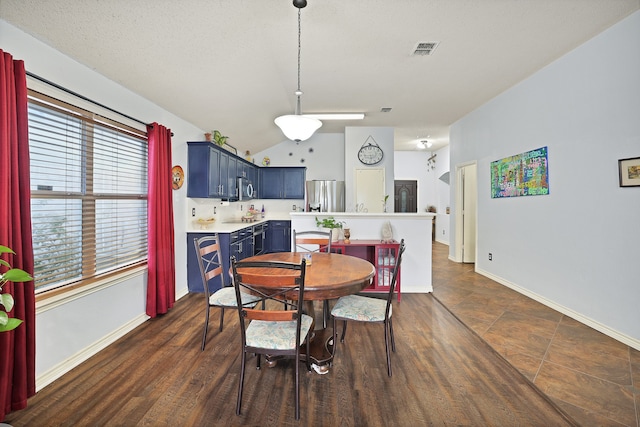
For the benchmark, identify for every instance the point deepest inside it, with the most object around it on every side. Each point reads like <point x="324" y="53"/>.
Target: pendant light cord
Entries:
<point x="299" y="47"/>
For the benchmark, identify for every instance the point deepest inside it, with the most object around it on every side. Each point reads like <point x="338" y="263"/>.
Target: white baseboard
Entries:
<point x="65" y="366"/>
<point x="616" y="335"/>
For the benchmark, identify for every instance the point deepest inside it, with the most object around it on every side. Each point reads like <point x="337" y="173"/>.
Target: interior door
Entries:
<point x="405" y="196"/>
<point x="466" y="200"/>
<point x="370" y="189"/>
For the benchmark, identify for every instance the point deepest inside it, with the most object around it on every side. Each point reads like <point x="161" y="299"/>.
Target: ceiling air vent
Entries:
<point x="425" y="48"/>
<point x="385" y="110"/>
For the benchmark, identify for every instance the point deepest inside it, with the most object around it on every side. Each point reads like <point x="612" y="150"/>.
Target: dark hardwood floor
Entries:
<point x="591" y="376"/>
<point x="443" y="374"/>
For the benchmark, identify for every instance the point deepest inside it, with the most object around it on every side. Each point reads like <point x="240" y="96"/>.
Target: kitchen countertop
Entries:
<point x="231" y="225"/>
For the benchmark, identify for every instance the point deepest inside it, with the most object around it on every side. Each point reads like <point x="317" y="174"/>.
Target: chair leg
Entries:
<point x="221" y="317"/>
<point x="308" y="351"/>
<point x="344" y="330"/>
<point x="206" y="327"/>
<point x="297" y="365"/>
<point x="393" y="341"/>
<point x="386" y="347"/>
<point x="335" y="338"/>
<point x="241" y="383"/>
<point x="325" y="313"/>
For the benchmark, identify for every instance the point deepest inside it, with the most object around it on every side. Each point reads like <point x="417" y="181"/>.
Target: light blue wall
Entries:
<point x="577" y="247"/>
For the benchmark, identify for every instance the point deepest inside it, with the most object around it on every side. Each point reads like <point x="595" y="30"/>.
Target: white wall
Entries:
<point x="67" y="332"/>
<point x="323" y="155"/>
<point x="355" y="137"/>
<point x="576" y="249"/>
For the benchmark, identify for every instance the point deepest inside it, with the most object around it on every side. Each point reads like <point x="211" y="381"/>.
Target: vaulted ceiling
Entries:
<point x="231" y="64"/>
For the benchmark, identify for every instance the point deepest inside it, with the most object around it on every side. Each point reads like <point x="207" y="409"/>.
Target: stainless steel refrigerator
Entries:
<point x="324" y="196"/>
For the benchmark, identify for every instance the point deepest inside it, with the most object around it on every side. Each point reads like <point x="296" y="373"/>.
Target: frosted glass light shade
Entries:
<point x="297" y="127"/>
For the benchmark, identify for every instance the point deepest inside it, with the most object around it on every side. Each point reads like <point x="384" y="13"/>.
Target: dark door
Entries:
<point x="405" y="196"/>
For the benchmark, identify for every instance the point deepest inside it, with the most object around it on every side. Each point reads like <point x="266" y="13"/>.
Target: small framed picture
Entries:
<point x="629" y="172"/>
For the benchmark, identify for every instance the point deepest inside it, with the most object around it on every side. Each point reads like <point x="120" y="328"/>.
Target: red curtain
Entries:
<point x="161" y="288"/>
<point x="17" y="347"/>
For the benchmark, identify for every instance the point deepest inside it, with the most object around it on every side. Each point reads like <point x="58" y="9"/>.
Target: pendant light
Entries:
<point x="297" y="127"/>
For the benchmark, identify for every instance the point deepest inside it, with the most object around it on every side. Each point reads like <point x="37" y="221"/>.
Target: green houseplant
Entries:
<point x="6" y="300"/>
<point x="218" y="138"/>
<point x="331" y="223"/>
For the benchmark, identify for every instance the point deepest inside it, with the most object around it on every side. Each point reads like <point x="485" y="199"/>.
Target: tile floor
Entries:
<point x="592" y="377"/>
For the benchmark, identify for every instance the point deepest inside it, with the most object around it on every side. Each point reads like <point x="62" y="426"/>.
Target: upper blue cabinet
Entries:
<point x="213" y="172"/>
<point x="282" y="182"/>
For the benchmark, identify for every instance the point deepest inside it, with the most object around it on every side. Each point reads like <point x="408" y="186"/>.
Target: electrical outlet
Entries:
<point x="214" y="210"/>
<point x="490" y="256"/>
<point x="193" y="211"/>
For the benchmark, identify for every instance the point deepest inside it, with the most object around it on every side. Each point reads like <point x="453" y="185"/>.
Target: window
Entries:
<point x="88" y="194"/>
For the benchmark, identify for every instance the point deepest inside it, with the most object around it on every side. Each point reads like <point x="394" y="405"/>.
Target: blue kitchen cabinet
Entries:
<point x="282" y="182"/>
<point x="279" y="236"/>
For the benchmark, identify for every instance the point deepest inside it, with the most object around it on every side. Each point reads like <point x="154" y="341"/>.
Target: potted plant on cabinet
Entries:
<point x="6" y="300"/>
<point x="218" y="138"/>
<point x="332" y="224"/>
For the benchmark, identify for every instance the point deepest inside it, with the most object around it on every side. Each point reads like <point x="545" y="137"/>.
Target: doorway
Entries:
<point x="466" y="212"/>
<point x="405" y="196"/>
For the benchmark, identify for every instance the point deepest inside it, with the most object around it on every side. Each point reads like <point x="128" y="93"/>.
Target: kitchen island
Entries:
<point x="414" y="228"/>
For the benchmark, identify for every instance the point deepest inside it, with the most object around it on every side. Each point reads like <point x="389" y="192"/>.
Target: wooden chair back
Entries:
<point x="209" y="261"/>
<point x="271" y="281"/>
<point x="312" y="241"/>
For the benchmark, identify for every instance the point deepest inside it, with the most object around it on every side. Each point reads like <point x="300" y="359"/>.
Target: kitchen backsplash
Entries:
<point x="229" y="211"/>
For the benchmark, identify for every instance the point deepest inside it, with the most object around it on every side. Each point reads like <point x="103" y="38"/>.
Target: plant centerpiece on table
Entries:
<point x="331" y="223"/>
<point x="218" y="138"/>
<point x="6" y="300"/>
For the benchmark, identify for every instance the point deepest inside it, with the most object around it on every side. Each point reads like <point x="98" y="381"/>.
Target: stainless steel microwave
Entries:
<point x="245" y="189"/>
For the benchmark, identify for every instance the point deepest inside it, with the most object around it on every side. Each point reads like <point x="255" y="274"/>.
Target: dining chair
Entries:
<point x="314" y="241"/>
<point x="209" y="258"/>
<point x="273" y="330"/>
<point x="369" y="309"/>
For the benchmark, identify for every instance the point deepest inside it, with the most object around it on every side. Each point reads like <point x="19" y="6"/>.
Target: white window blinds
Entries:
<point x="88" y="194"/>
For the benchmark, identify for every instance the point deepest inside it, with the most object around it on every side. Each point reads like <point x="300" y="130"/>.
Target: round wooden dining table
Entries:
<point x="328" y="276"/>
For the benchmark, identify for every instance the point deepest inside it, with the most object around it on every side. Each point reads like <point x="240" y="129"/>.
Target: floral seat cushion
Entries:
<point x="277" y="335"/>
<point x="226" y="297"/>
<point x="364" y="309"/>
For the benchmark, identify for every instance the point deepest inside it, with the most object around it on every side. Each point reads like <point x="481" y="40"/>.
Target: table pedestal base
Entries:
<point x="320" y="349"/>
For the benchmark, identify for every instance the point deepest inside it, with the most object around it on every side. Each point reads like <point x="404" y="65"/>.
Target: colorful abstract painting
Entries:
<point x="524" y="174"/>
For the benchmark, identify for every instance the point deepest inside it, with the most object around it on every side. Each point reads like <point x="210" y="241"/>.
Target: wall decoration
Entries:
<point x="524" y="174"/>
<point x="177" y="177"/>
<point x="370" y="153"/>
<point x="629" y="170"/>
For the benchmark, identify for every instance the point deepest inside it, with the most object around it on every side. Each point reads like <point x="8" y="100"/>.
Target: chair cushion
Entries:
<point x="226" y="297"/>
<point x="277" y="335"/>
<point x="363" y="309"/>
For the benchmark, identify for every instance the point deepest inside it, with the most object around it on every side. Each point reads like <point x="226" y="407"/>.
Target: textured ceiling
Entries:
<point x="231" y="64"/>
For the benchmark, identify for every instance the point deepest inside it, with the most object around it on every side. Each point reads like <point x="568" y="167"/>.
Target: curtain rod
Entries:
<point x="84" y="98"/>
